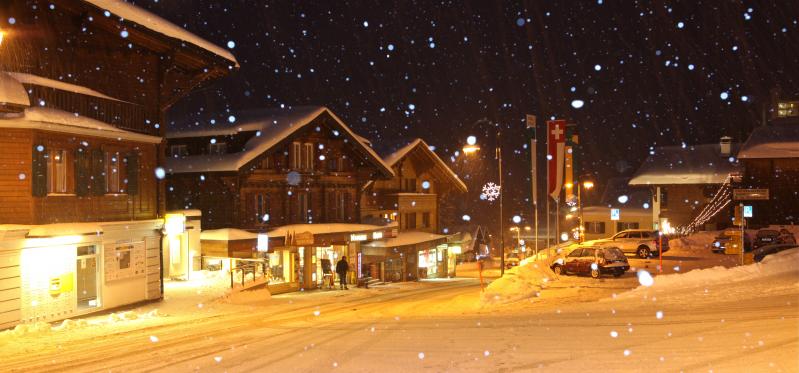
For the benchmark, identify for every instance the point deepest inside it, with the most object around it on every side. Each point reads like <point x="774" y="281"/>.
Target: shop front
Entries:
<point x="409" y="256"/>
<point x="56" y="271"/>
<point x="304" y="256"/>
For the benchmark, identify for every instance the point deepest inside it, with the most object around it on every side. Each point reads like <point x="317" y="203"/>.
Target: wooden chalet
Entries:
<point x="84" y="86"/>
<point x="296" y="174"/>
<point x="412" y="199"/>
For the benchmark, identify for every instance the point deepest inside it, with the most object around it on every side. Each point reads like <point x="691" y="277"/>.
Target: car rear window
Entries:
<point x="613" y="253"/>
<point x="765" y="233"/>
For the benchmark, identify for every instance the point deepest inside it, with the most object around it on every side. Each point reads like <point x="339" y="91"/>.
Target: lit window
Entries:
<point x="57" y="163"/>
<point x="114" y="172"/>
<point x="788" y="109"/>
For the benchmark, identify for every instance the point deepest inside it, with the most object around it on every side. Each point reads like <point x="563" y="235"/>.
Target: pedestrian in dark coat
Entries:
<point x="341" y="269"/>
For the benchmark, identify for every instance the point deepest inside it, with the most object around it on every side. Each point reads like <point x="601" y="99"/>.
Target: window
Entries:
<point x="342" y="204"/>
<point x="302" y="206"/>
<point x="788" y="109"/>
<point x="623" y="226"/>
<point x="576" y="253"/>
<point x="425" y="220"/>
<point x="114" y="172"/>
<point x="294" y="156"/>
<point x="332" y="165"/>
<point x="267" y="163"/>
<point x="176" y="151"/>
<point x="307" y="157"/>
<point x="410" y="220"/>
<point x="262" y="207"/>
<point x="588" y="253"/>
<point x="410" y="185"/>
<point x="217" y="148"/>
<point x="595" y="227"/>
<point x="57" y="171"/>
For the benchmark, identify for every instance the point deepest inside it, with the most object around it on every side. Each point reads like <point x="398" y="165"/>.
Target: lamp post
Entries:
<point x="472" y="148"/>
<point x="587" y="185"/>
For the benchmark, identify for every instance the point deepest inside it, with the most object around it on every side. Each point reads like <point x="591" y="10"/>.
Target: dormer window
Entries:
<point x="301" y="157"/>
<point x="217" y="148"/>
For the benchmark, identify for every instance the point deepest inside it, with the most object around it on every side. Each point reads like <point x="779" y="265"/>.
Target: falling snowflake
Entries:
<point x="490" y="192"/>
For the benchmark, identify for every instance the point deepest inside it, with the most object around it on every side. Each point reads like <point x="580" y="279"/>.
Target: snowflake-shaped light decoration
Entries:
<point x="490" y="192"/>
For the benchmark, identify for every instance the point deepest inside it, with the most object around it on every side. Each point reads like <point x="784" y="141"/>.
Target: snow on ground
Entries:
<point x="521" y="282"/>
<point x="696" y="241"/>
<point x="782" y="263"/>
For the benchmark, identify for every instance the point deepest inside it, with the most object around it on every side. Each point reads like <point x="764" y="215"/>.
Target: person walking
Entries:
<point x="341" y="269"/>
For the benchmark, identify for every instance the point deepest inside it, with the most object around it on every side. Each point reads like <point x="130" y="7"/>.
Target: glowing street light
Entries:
<point x="470" y="149"/>
<point x="2" y="33"/>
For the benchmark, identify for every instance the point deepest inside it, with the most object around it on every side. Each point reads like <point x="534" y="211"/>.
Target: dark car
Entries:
<point x="766" y="237"/>
<point x="764" y="251"/>
<point x="593" y="261"/>
<point x="786" y="237"/>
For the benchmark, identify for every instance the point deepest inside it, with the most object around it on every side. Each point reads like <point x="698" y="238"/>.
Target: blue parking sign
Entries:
<point x="615" y="214"/>
<point x="748" y="212"/>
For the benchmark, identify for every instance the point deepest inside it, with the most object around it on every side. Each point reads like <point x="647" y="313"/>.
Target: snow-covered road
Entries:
<point x="750" y="325"/>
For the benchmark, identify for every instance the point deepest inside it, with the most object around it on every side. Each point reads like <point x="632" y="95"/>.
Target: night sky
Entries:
<point x="649" y="75"/>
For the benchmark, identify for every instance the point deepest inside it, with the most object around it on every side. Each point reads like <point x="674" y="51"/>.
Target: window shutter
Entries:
<point x="83" y="172"/>
<point x="98" y="172"/>
<point x="133" y="173"/>
<point x="39" y="171"/>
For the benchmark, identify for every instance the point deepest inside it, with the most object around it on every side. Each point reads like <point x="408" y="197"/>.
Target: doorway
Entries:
<point x="86" y="276"/>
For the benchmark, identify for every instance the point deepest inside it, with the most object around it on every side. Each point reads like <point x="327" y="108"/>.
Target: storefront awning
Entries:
<point x="227" y="234"/>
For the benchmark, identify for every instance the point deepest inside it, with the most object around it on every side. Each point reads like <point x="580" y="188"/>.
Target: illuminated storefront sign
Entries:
<point x="377" y="235"/>
<point x="359" y="237"/>
<point x="263" y="243"/>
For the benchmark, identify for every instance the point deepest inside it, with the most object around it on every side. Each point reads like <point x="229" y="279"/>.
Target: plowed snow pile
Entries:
<point x="522" y="282"/>
<point x="783" y="263"/>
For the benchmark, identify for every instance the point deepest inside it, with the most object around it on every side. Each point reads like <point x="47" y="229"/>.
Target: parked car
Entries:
<point x="766" y="250"/>
<point x="512" y="260"/>
<point x="766" y="237"/>
<point x="721" y="241"/>
<point x="641" y="242"/>
<point x="594" y="261"/>
<point x="787" y="237"/>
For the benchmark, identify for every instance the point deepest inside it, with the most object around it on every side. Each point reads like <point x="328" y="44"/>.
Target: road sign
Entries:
<point x="750" y="194"/>
<point x="748" y="213"/>
<point x="615" y="214"/>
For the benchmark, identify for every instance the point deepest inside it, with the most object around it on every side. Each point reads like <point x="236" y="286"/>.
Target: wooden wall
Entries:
<point x="19" y="206"/>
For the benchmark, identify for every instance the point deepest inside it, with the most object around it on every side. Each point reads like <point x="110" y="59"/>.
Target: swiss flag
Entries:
<point x="556" y="143"/>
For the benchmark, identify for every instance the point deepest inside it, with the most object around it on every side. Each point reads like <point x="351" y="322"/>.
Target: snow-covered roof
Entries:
<point x="155" y="23"/>
<point x="12" y="91"/>
<point x="695" y="164"/>
<point x="325" y="228"/>
<point x="57" y="84"/>
<point x="778" y="141"/>
<point x="47" y="119"/>
<point x="227" y="234"/>
<point x="407" y="238"/>
<point x="398" y="155"/>
<point x="275" y="125"/>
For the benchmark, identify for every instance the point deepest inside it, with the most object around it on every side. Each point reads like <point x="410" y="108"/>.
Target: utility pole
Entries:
<point x="501" y="193"/>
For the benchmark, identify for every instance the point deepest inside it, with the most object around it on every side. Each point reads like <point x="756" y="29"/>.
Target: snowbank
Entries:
<point x="776" y="264"/>
<point x="41" y="327"/>
<point x="696" y="241"/>
<point x="522" y="282"/>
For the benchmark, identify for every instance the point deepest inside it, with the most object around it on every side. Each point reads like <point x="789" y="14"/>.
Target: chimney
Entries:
<point x="725" y="144"/>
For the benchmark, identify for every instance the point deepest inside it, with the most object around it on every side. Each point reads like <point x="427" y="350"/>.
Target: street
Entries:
<point x="441" y="325"/>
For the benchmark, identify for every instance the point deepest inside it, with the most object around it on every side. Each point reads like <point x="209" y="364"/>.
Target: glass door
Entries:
<point x="86" y="275"/>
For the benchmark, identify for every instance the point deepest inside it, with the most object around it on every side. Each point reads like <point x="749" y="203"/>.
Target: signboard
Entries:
<point x="615" y="214"/>
<point x="377" y="235"/>
<point x="263" y="243"/>
<point x="300" y="239"/>
<point x="750" y="194"/>
<point x="359" y="237"/>
<point x="748" y="212"/>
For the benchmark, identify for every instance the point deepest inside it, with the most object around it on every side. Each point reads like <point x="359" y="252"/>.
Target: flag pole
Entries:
<point x="531" y="124"/>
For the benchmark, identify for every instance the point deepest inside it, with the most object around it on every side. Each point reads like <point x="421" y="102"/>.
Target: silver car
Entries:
<point x="640" y="242"/>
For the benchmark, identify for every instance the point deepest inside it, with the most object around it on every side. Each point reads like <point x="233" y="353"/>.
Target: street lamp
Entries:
<point x="2" y="33"/>
<point x="587" y="185"/>
<point x="472" y="148"/>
